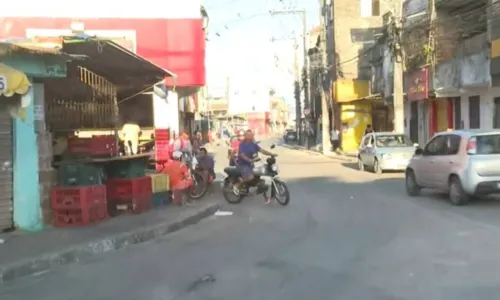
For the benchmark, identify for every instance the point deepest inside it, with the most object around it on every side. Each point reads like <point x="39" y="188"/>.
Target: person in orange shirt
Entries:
<point x="235" y="145"/>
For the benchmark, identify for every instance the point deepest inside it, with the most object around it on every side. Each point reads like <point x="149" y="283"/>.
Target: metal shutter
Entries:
<point x="6" y="219"/>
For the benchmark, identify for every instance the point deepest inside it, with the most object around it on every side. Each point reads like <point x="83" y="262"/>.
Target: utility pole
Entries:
<point x="305" y="69"/>
<point x="325" y="120"/>
<point x="296" y="85"/>
<point x="432" y="32"/>
<point x="228" y="90"/>
<point x="399" y="111"/>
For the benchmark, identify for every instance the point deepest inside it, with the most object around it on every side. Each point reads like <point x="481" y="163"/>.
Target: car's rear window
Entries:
<point x="488" y="144"/>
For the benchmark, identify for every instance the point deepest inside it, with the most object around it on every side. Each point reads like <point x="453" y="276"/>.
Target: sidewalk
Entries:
<point x="23" y="254"/>
<point x="348" y="157"/>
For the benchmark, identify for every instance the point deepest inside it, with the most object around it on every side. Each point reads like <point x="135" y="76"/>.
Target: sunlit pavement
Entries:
<point x="345" y="235"/>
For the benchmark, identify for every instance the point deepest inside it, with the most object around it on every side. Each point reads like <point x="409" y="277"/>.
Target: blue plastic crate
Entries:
<point x="161" y="198"/>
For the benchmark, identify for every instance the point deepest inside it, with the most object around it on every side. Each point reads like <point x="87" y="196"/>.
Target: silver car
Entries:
<point x="381" y="151"/>
<point x="462" y="163"/>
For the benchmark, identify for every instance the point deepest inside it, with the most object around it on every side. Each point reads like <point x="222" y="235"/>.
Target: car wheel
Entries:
<point x="361" y="167"/>
<point x="456" y="192"/>
<point x="412" y="187"/>
<point x="376" y="167"/>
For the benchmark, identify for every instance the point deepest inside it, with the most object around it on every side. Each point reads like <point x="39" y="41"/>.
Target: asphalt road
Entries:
<point x="345" y="235"/>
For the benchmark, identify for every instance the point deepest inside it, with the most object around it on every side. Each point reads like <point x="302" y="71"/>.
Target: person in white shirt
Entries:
<point x="334" y="138"/>
<point x="182" y="143"/>
<point x="131" y="132"/>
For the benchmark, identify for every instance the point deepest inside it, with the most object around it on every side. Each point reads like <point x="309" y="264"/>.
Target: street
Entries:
<point x="345" y="235"/>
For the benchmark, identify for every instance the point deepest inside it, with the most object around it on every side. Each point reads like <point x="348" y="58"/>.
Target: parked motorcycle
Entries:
<point x="265" y="180"/>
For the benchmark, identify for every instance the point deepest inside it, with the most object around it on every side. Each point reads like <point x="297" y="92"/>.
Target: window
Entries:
<point x="452" y="144"/>
<point x="437" y="146"/>
<point x="376" y="8"/>
<point x="474" y="119"/>
<point x="370" y="8"/>
<point x="488" y="144"/>
<point x="385" y="141"/>
<point x="368" y="140"/>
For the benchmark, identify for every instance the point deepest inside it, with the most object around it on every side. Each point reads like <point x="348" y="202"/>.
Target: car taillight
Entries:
<point x="472" y="146"/>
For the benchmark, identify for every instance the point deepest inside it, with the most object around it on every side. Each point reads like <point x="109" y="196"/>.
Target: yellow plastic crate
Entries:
<point x="160" y="182"/>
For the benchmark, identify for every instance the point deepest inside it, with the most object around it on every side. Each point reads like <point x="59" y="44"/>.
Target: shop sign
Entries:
<point x="418" y="85"/>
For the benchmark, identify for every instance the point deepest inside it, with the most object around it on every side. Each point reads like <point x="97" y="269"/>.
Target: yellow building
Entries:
<point x="355" y="105"/>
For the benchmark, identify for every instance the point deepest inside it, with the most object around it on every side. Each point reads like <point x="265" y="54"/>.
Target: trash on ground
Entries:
<point x="221" y="213"/>
<point x="2" y="241"/>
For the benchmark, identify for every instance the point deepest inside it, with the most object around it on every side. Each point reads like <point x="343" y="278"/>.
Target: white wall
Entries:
<point x="486" y="106"/>
<point x="145" y="9"/>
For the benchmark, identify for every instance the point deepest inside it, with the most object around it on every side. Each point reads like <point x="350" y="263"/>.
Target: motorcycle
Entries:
<point x="265" y="178"/>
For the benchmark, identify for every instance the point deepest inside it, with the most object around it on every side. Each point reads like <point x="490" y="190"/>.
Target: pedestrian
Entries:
<point x="197" y="142"/>
<point x="368" y="129"/>
<point x="131" y="132"/>
<point x="234" y="147"/>
<point x="206" y="165"/>
<point x="334" y="138"/>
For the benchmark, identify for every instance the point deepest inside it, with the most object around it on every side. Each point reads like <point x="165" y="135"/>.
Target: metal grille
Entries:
<point x="91" y="102"/>
<point x="6" y="221"/>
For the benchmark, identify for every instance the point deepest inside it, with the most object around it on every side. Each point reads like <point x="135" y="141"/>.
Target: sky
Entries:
<point x="240" y="46"/>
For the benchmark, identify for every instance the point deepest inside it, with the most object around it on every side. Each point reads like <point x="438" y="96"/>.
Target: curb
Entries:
<point x="339" y="157"/>
<point x="83" y="252"/>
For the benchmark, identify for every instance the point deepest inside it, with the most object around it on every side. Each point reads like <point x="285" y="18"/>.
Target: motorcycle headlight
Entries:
<point x="275" y="168"/>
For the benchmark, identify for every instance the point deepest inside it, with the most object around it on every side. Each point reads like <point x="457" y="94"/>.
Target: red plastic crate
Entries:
<point x="103" y="145"/>
<point x="134" y="205"/>
<point x="81" y="197"/>
<point x="79" y="217"/>
<point x="125" y="188"/>
<point x="162" y="134"/>
<point x="98" y="145"/>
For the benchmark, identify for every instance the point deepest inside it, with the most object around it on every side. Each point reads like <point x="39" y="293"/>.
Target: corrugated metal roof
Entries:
<point x="27" y="47"/>
<point x="113" y="61"/>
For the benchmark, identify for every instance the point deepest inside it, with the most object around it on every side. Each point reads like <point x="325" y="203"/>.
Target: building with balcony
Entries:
<point x="353" y="28"/>
<point x="448" y="80"/>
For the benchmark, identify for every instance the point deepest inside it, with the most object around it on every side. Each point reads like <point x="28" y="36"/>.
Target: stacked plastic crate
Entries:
<point x="160" y="185"/>
<point x="162" y="146"/>
<point x="80" y="196"/>
<point x="128" y="188"/>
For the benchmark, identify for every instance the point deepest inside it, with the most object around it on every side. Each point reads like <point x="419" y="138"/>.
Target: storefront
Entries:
<point x="422" y="114"/>
<point x="356" y="111"/>
<point x="13" y="85"/>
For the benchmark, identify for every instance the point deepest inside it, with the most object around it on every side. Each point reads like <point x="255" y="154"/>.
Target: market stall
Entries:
<point x="88" y="101"/>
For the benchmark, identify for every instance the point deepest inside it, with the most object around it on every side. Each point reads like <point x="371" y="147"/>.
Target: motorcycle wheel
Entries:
<point x="199" y="187"/>
<point x="279" y="191"/>
<point x="228" y="192"/>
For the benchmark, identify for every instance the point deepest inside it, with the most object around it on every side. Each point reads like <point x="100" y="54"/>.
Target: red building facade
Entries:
<point x="175" y="44"/>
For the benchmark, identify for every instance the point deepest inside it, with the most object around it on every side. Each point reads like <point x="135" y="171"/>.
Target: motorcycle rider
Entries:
<point x="247" y="151"/>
